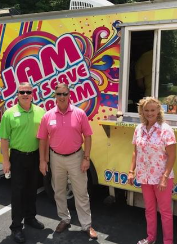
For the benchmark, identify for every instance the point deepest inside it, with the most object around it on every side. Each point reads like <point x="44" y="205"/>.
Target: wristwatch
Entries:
<point x="87" y="158"/>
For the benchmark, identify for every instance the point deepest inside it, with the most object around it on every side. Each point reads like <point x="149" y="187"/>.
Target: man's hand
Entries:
<point x="43" y="167"/>
<point x="85" y="165"/>
<point x="6" y="166"/>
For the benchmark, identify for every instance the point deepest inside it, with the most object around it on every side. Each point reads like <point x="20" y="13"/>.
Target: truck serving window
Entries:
<point x="140" y="72"/>
<point x="149" y="67"/>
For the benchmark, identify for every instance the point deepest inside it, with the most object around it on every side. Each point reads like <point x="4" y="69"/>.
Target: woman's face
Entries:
<point x="150" y="112"/>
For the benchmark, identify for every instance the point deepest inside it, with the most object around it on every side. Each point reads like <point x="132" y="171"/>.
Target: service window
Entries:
<point x="151" y="70"/>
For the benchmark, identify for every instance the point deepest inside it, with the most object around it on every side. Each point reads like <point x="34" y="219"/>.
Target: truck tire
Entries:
<point x="48" y="186"/>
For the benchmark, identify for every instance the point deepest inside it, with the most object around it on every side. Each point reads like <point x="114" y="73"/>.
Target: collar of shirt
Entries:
<point x="155" y="126"/>
<point x="23" y="110"/>
<point x="69" y="109"/>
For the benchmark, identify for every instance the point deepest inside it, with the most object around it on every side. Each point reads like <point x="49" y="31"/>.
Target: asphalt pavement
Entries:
<point x="116" y="223"/>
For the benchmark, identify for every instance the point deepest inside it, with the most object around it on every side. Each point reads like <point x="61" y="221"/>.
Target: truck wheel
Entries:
<point x="90" y="187"/>
<point x="48" y="186"/>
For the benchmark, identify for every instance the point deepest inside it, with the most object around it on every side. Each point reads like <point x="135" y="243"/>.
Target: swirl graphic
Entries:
<point x="102" y="59"/>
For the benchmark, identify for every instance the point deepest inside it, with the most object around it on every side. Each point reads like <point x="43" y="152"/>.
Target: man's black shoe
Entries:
<point x="18" y="236"/>
<point x="34" y="223"/>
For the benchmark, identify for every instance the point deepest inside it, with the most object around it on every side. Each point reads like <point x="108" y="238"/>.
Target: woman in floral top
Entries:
<point x="153" y="158"/>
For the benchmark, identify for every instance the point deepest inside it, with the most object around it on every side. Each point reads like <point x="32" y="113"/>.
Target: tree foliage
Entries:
<point x="125" y="1"/>
<point x="36" y="6"/>
<point x="168" y="62"/>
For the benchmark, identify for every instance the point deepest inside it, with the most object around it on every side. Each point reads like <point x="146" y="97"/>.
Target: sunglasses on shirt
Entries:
<point x="23" y="92"/>
<point x="60" y="94"/>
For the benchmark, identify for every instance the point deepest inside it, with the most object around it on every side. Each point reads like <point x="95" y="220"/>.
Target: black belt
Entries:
<point x="66" y="155"/>
<point x="24" y="153"/>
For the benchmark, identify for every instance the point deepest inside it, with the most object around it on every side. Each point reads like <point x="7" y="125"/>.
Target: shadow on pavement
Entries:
<point x="116" y="223"/>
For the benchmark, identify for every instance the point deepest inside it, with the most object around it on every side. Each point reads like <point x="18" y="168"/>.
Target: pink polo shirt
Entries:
<point x="65" y="131"/>
<point x="151" y="153"/>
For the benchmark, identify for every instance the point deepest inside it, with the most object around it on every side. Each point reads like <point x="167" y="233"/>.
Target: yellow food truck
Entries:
<point x="96" y="52"/>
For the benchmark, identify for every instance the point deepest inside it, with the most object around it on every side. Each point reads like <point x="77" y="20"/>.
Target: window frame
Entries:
<point x="125" y="61"/>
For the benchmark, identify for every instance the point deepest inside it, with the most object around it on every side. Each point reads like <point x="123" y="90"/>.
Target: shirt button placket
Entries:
<point x="63" y="120"/>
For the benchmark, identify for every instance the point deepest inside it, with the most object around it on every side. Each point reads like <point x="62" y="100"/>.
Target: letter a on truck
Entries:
<point x="96" y="51"/>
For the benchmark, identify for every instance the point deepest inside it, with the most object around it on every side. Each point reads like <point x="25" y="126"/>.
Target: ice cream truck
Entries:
<point x="95" y="51"/>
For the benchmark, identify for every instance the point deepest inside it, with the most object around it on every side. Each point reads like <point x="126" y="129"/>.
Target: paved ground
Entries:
<point x="116" y="224"/>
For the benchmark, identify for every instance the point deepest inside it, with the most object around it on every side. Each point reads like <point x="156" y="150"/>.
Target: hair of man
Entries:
<point x="61" y="85"/>
<point x="24" y="84"/>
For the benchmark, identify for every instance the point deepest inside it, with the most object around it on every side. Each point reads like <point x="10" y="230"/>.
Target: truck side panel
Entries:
<point x="84" y="52"/>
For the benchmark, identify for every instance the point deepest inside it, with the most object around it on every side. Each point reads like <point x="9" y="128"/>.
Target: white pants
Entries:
<point x="62" y="166"/>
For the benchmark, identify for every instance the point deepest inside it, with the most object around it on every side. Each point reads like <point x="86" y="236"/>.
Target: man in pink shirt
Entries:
<point x="67" y="128"/>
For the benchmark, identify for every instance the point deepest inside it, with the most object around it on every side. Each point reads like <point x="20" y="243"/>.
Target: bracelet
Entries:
<point x="166" y="176"/>
<point x="131" y="172"/>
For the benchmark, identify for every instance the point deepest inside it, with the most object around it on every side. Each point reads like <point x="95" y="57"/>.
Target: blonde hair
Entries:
<point x="143" y="102"/>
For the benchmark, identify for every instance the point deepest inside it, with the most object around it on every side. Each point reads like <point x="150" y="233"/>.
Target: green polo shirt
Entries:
<point x="20" y="127"/>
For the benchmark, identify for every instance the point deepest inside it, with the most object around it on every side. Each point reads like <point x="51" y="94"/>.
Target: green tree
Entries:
<point x="125" y="1"/>
<point x="168" y="61"/>
<point x="36" y="6"/>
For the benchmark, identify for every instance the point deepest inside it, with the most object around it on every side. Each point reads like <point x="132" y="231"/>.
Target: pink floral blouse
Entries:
<point x="151" y="154"/>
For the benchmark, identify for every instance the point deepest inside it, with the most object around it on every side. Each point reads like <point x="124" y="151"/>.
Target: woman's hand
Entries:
<point x="163" y="183"/>
<point x="131" y="178"/>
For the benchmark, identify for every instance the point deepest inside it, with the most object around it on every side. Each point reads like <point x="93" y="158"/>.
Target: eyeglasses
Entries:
<point x="60" y="94"/>
<point x="23" y="92"/>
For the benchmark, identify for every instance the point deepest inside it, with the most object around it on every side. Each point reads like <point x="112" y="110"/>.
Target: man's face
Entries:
<point x="62" y="96"/>
<point x="25" y="95"/>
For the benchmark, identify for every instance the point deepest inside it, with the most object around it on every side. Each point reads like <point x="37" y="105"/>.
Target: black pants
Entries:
<point x="24" y="177"/>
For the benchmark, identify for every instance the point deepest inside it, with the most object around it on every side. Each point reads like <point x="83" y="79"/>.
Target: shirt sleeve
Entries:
<point x="169" y="137"/>
<point x="135" y="136"/>
<point x="86" y="128"/>
<point x="42" y="131"/>
<point x="5" y="127"/>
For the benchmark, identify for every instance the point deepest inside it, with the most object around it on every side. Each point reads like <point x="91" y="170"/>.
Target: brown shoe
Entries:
<point x="62" y="226"/>
<point x="91" y="233"/>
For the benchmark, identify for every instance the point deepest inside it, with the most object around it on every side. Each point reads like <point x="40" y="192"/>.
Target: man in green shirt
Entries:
<point x="19" y="126"/>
